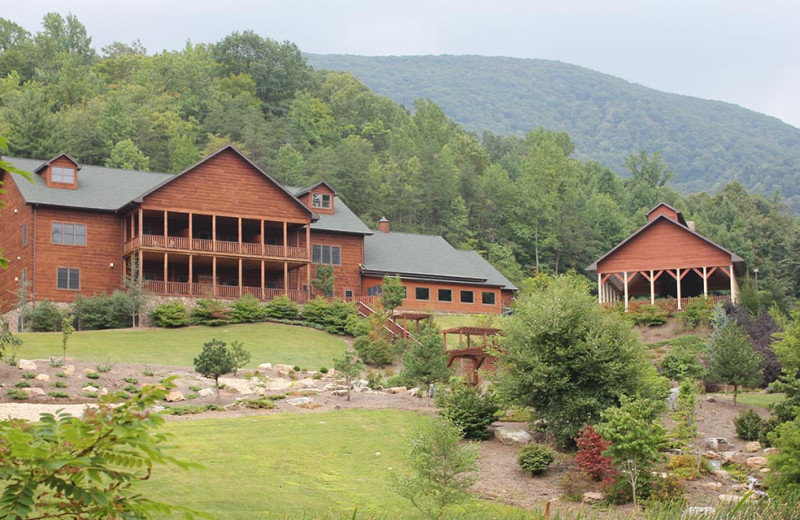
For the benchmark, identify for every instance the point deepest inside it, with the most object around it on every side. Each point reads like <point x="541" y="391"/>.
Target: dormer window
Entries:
<point x="320" y="200"/>
<point x="63" y="175"/>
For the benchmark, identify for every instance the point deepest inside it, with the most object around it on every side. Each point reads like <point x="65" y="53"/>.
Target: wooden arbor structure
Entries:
<point x="474" y="357"/>
<point x="666" y="258"/>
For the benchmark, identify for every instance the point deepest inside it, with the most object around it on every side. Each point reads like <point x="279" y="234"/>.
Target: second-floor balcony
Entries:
<point x="204" y="245"/>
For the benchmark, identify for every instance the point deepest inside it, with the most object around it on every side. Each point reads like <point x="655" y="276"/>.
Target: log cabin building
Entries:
<point x="666" y="259"/>
<point x="222" y="228"/>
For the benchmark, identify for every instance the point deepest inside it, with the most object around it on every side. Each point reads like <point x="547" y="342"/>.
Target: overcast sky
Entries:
<point x="742" y="52"/>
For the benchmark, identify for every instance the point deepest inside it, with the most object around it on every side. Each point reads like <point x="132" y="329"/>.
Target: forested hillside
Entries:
<point x="707" y="143"/>
<point x="525" y="201"/>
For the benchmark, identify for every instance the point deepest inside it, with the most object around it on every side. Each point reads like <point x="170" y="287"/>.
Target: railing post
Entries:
<point x="191" y="234"/>
<point x="678" y="271"/>
<point x="166" y="269"/>
<point x="213" y="275"/>
<point x="285" y="241"/>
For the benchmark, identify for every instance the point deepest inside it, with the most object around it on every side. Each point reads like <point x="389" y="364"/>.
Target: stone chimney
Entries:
<point x="383" y="225"/>
<point x="690" y="225"/>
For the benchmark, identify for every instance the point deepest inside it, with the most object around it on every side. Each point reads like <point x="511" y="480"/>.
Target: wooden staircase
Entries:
<point x="391" y="326"/>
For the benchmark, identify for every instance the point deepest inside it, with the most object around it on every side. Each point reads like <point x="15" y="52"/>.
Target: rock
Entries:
<point x="672" y="398"/>
<point x="728" y="456"/>
<point x="265" y="366"/>
<point x="512" y="435"/>
<point x="752" y="447"/>
<point x="698" y="512"/>
<point x="297" y="401"/>
<point x="307" y="391"/>
<point x="33" y="392"/>
<point x="711" y="399"/>
<point x="339" y="393"/>
<point x="157" y="408"/>
<point x="721" y="474"/>
<point x="416" y="392"/>
<point x="206" y="392"/>
<point x="714" y="486"/>
<point x="770" y="451"/>
<point x="26" y="364"/>
<point x="764" y="470"/>
<point x="88" y="370"/>
<point x="738" y="487"/>
<point x="103" y="391"/>
<point x="729" y="499"/>
<point x="362" y="390"/>
<point x="305" y="383"/>
<point x="174" y="397"/>
<point x="592" y="497"/>
<point x="396" y="390"/>
<point x="714" y="443"/>
<point x="358" y="383"/>
<point x="42" y="377"/>
<point x="287" y="369"/>
<point x="69" y="370"/>
<point x="278" y="384"/>
<point x="91" y="389"/>
<point x="713" y="455"/>
<point x="756" y="462"/>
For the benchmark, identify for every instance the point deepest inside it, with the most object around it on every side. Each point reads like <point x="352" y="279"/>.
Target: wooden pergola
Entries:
<point x="405" y="317"/>
<point x="477" y="355"/>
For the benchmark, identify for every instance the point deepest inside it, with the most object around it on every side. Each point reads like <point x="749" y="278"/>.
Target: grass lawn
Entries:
<point x="759" y="399"/>
<point x="268" y="342"/>
<point x="691" y="341"/>
<point x="295" y="466"/>
<point x="450" y="321"/>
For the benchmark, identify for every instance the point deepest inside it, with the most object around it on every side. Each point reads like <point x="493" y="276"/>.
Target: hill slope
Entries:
<point x="707" y="143"/>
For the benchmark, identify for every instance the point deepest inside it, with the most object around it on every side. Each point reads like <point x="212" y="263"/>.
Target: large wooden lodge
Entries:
<point x="222" y="228"/>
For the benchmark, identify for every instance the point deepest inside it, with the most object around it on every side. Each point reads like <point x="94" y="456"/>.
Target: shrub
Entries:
<point x="749" y="425"/>
<point x="170" y="315"/>
<point x="331" y="315"/>
<point x="131" y="380"/>
<point x="535" y="458"/>
<point x="280" y="308"/>
<point x="590" y="456"/>
<point x="682" y="363"/>
<point x="22" y="384"/>
<point x="323" y="370"/>
<point x="210" y="312"/>
<point x="247" y="310"/>
<point x="121" y="308"/>
<point x="58" y="394"/>
<point x="688" y="467"/>
<point x="90" y="312"/>
<point x="468" y="408"/>
<point x="698" y="312"/>
<point x="28" y="375"/>
<point x="241" y="356"/>
<point x="667" y="489"/>
<point x="131" y="389"/>
<point x="92" y="375"/>
<point x="356" y="326"/>
<point x="60" y="384"/>
<point x="261" y="403"/>
<point x="17" y="395"/>
<point x="104" y="367"/>
<point x="45" y="317"/>
<point x="376" y="352"/>
<point x="650" y="315"/>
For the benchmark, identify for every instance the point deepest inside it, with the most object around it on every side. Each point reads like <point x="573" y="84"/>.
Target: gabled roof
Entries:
<point x="421" y="257"/>
<point x="50" y="161"/>
<point x="342" y="220"/>
<point x="664" y="204"/>
<point x="291" y="195"/>
<point x="307" y="189"/>
<point x="99" y="188"/>
<point x="736" y="260"/>
<point x="493" y="276"/>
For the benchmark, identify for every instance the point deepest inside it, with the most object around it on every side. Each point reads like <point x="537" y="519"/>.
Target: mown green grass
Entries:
<point x="268" y="343"/>
<point x="294" y="466"/>
<point x="691" y="341"/>
<point x="759" y="399"/>
<point x="450" y="321"/>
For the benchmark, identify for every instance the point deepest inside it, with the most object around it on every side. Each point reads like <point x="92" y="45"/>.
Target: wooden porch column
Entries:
<point x="285" y="242"/>
<point x="191" y="275"/>
<point x="705" y="283"/>
<point x="214" y="234"/>
<point x="285" y="274"/>
<point x="213" y="276"/>
<point x="133" y="226"/>
<point x="308" y="246"/>
<point x="166" y="223"/>
<point x="141" y="221"/>
<point x="166" y="270"/>
<point x="240" y="264"/>
<point x="678" y="279"/>
<point x="262" y="246"/>
<point x="141" y="266"/>
<point x="625" y="281"/>
<point x="191" y="235"/>
<point x="599" y="288"/>
<point x="240" y="231"/>
<point x="263" y="296"/>
<point x="308" y="279"/>
<point x="734" y="296"/>
<point x="652" y="289"/>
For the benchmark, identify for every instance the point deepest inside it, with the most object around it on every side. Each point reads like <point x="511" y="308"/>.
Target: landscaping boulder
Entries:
<point x="752" y="447"/>
<point x="339" y="393"/>
<point x="698" y="512"/>
<point x="721" y="474"/>
<point x="756" y="462"/>
<point x="592" y="497"/>
<point x="305" y="383"/>
<point x="770" y="451"/>
<point x="715" y="443"/>
<point x="711" y="399"/>
<point x="278" y="384"/>
<point x="69" y="370"/>
<point x="286" y="369"/>
<point x="729" y="499"/>
<point x="42" y="377"/>
<point x="265" y="366"/>
<point x="512" y="435"/>
<point x="415" y="392"/>
<point x="714" y="486"/>
<point x="206" y="392"/>
<point x="26" y="364"/>
<point x="90" y="389"/>
<point x="174" y="397"/>
<point x="33" y="392"/>
<point x="397" y="390"/>
<point x="297" y="401"/>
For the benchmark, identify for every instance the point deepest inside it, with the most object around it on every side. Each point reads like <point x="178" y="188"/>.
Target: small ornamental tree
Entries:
<point x="348" y="366"/>
<point x="66" y="331"/>
<point x="241" y="356"/>
<point x="441" y="468"/>
<point x="731" y="358"/>
<point x="8" y="341"/>
<point x="393" y="293"/>
<point x="86" y="467"/>
<point x="324" y="280"/>
<point x="426" y="362"/>
<point x="590" y="456"/>
<point x="215" y="360"/>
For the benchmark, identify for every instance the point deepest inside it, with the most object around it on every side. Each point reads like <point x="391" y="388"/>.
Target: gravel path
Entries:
<point x="30" y="411"/>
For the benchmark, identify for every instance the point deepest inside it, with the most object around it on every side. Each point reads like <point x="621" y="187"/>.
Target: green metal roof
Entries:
<point x="99" y="188"/>
<point x="493" y="276"/>
<point x="343" y="219"/>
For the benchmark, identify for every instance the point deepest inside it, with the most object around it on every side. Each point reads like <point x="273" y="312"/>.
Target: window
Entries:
<point x="24" y="275"/>
<point x="320" y="200"/>
<point x="487" y="298"/>
<point x="69" y="278"/>
<point x="328" y="255"/>
<point x="445" y="295"/>
<point x="422" y="293"/>
<point x="69" y="234"/>
<point x="63" y="175"/>
<point x="24" y="235"/>
<point x="348" y="293"/>
<point x="375" y="291"/>
<point x="467" y="297"/>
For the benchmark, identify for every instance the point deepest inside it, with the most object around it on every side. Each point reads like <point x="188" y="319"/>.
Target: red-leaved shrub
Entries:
<point x="590" y="456"/>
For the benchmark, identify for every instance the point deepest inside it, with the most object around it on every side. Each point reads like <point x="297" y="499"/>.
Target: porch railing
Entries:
<point x="218" y="246"/>
<point x="220" y="291"/>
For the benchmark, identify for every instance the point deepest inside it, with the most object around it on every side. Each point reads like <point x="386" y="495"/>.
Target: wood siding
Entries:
<point x="227" y="184"/>
<point x="664" y="245"/>
<point x="103" y="246"/>
<point x="62" y="162"/>
<point x="347" y="276"/>
<point x="434" y="305"/>
<point x="663" y="209"/>
<point x="11" y="241"/>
